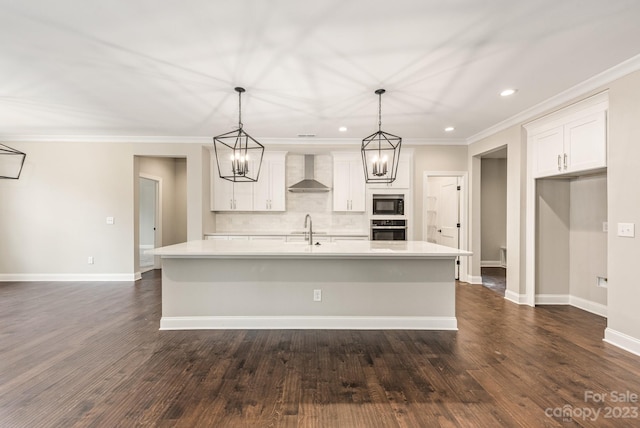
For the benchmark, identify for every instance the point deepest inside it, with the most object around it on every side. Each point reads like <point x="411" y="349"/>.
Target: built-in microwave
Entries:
<point x="388" y="205"/>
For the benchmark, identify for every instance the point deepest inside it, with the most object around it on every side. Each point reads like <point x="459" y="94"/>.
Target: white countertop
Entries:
<point x="277" y="249"/>
<point x="290" y="233"/>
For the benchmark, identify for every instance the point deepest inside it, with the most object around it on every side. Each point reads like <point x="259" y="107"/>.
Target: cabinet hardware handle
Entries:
<point x="565" y="161"/>
<point x="230" y="204"/>
<point x="559" y="164"/>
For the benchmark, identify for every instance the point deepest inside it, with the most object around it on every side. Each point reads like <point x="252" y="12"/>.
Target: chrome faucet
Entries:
<point x="308" y="217"/>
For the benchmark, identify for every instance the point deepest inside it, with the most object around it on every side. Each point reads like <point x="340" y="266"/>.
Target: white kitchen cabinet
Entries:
<point x="349" y="238"/>
<point x="585" y="143"/>
<point x="227" y="195"/>
<point x="569" y="144"/>
<point x="227" y="237"/>
<point x="268" y="238"/>
<point x="403" y="176"/>
<point x="348" y="182"/>
<point x="230" y="196"/>
<point x="217" y="237"/>
<point x="269" y="190"/>
<point x="303" y="238"/>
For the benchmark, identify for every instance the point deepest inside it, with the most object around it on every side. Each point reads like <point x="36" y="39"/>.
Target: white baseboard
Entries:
<point x="567" y="299"/>
<point x="552" y="299"/>
<point x="308" y="322"/>
<point x="512" y="296"/>
<point x="490" y="263"/>
<point x="589" y="306"/>
<point x="66" y="277"/>
<point x="474" y="279"/>
<point x="621" y="340"/>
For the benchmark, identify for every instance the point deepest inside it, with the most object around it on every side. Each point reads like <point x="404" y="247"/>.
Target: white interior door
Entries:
<point x="148" y="212"/>
<point x="448" y="213"/>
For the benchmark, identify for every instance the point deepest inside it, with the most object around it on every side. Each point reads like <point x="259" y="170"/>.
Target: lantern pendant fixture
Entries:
<point x="238" y="154"/>
<point x="380" y="152"/>
<point x="11" y="162"/>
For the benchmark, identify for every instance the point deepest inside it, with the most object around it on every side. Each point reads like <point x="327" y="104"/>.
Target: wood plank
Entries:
<point x="90" y="354"/>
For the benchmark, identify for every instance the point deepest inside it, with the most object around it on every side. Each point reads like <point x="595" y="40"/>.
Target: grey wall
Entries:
<point x="552" y="236"/>
<point x="493" y="208"/>
<point x="587" y="241"/>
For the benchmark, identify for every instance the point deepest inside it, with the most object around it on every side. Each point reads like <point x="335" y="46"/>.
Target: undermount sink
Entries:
<point x="304" y="232"/>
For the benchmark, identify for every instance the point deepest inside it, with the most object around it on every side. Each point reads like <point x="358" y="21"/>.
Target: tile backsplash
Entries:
<point x="319" y="205"/>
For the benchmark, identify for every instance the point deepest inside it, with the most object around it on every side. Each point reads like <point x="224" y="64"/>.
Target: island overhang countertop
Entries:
<point x="278" y="249"/>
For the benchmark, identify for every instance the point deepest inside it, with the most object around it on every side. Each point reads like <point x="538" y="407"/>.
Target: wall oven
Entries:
<point x="388" y="205"/>
<point x="388" y="230"/>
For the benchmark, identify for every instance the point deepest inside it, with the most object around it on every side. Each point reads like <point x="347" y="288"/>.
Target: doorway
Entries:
<point x="444" y="217"/>
<point x="150" y="215"/>
<point x="493" y="220"/>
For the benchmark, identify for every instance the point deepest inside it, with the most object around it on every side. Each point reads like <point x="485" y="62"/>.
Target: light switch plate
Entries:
<point x="626" y="230"/>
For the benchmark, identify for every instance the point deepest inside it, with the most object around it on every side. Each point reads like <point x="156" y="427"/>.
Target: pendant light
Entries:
<point x="380" y="152"/>
<point x="11" y="162"/>
<point x="238" y="154"/>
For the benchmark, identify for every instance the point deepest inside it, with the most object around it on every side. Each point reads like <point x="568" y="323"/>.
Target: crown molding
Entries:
<point x="103" y="139"/>
<point x="596" y="82"/>
<point x="208" y="140"/>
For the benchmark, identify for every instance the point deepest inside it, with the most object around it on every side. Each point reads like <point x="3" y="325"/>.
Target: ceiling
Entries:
<point x="150" y="68"/>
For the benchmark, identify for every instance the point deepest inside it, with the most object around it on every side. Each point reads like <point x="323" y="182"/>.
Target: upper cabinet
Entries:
<point x="348" y="182"/>
<point x="571" y="140"/>
<point x="403" y="176"/>
<point x="227" y="195"/>
<point x="269" y="190"/>
<point x="267" y="194"/>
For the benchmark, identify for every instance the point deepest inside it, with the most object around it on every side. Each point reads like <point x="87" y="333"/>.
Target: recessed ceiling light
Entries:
<point x="508" y="92"/>
<point x="449" y="129"/>
<point x="342" y="129"/>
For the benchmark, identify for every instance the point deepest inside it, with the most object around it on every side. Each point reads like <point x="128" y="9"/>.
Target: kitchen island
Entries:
<point x="213" y="284"/>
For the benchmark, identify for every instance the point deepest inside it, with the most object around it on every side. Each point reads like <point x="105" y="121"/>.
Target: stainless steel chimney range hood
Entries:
<point x="309" y="184"/>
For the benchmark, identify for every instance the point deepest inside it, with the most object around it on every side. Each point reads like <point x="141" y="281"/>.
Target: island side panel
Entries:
<point x="278" y="293"/>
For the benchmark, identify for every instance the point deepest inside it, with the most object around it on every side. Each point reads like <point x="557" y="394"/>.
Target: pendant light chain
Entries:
<point x="239" y="109"/>
<point x="380" y="111"/>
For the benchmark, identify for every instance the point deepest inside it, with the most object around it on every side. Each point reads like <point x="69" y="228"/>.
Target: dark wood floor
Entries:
<point x="495" y="279"/>
<point x="90" y="354"/>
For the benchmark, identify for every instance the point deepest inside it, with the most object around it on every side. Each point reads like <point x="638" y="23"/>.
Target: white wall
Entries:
<point x="493" y="209"/>
<point x="624" y="206"/>
<point x="54" y="217"/>
<point x="512" y="138"/>
<point x="432" y="158"/>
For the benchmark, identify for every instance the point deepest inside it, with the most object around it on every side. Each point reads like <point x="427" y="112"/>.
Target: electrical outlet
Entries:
<point x="605" y="226"/>
<point x="317" y="295"/>
<point x="110" y="220"/>
<point x="626" y="229"/>
<point x="90" y="260"/>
